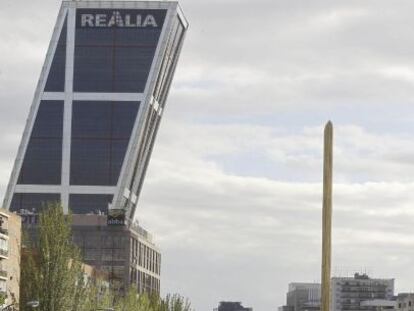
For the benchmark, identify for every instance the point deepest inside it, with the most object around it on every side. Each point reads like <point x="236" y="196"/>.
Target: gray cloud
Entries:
<point x="233" y="190"/>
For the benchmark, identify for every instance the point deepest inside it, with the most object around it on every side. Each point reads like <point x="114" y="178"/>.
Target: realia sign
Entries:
<point x="119" y="18"/>
<point x="116" y="19"/>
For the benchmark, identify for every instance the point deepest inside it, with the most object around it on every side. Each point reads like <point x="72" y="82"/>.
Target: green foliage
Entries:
<point x="133" y="301"/>
<point x="144" y="302"/>
<point x="2" y="299"/>
<point x="51" y="265"/>
<point x="97" y="297"/>
<point x="174" y="303"/>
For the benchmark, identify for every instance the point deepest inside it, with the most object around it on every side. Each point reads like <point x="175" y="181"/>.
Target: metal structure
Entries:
<point x="97" y="107"/>
<point x="327" y="217"/>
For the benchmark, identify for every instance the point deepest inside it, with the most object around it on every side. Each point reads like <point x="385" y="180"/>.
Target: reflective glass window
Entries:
<point x="43" y="158"/>
<point x="100" y="135"/>
<point x="89" y="203"/>
<point x="93" y="69"/>
<point x="90" y="162"/>
<point x="56" y="78"/>
<point x="114" y="49"/>
<point x="33" y="202"/>
<point x="132" y="68"/>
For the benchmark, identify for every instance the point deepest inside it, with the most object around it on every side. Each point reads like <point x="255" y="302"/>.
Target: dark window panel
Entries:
<point x="95" y="36"/>
<point x="123" y="119"/>
<point x="91" y="119"/>
<point x="100" y="135"/>
<point x="93" y="69"/>
<point x="42" y="162"/>
<point x="43" y="158"/>
<point x="49" y="120"/>
<point x="90" y="162"/>
<point x="32" y="201"/>
<point x="89" y="203"/>
<point x="131" y="68"/>
<point x="56" y="78"/>
<point x="143" y="37"/>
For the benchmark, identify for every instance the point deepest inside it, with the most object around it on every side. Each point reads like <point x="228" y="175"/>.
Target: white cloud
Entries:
<point x="229" y="223"/>
<point x="233" y="190"/>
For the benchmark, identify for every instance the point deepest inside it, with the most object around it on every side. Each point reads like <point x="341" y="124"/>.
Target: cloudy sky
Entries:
<point x="233" y="191"/>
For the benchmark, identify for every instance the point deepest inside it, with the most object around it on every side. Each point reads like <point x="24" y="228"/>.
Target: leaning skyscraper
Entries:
<point x="97" y="108"/>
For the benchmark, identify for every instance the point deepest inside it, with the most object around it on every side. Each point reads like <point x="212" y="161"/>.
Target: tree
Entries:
<point x="151" y="302"/>
<point x="174" y="302"/>
<point x="51" y="264"/>
<point x="132" y="301"/>
<point x="97" y="297"/>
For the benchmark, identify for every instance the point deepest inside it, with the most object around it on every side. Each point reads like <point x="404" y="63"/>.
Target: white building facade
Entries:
<point x="354" y="293"/>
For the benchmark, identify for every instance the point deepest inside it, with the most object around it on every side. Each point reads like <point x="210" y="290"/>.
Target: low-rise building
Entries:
<point x="405" y="302"/>
<point x="379" y="304"/>
<point x="232" y="306"/>
<point x="285" y="308"/>
<point x="348" y="293"/>
<point x="128" y="255"/>
<point x="303" y="297"/>
<point x="10" y="250"/>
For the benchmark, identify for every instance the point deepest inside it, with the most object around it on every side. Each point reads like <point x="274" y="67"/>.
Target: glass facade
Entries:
<point x="96" y="110"/>
<point x="114" y="58"/>
<point x="106" y="66"/>
<point x="42" y="162"/>
<point x="89" y="203"/>
<point x="100" y="137"/>
<point x="56" y="79"/>
<point x="32" y="202"/>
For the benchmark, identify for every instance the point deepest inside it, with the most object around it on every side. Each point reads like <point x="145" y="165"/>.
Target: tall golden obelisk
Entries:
<point x="327" y="217"/>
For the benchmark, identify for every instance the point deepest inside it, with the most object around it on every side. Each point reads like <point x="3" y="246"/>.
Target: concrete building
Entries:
<point x="348" y="293"/>
<point x="303" y="296"/>
<point x="405" y="302"/>
<point x="93" y="122"/>
<point x="379" y="304"/>
<point x="285" y="308"/>
<point x="10" y="247"/>
<point x="127" y="255"/>
<point x="231" y="306"/>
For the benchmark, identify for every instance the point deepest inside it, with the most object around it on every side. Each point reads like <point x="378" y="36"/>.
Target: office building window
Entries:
<point x="56" y="78"/>
<point x="32" y="202"/>
<point x="43" y="159"/>
<point x="100" y="137"/>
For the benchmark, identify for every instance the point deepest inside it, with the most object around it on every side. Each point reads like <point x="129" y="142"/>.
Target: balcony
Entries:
<point x="4" y="231"/>
<point x="4" y="253"/>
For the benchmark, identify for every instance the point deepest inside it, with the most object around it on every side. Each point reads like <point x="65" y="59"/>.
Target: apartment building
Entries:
<point x="10" y="243"/>
<point x="353" y="293"/>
